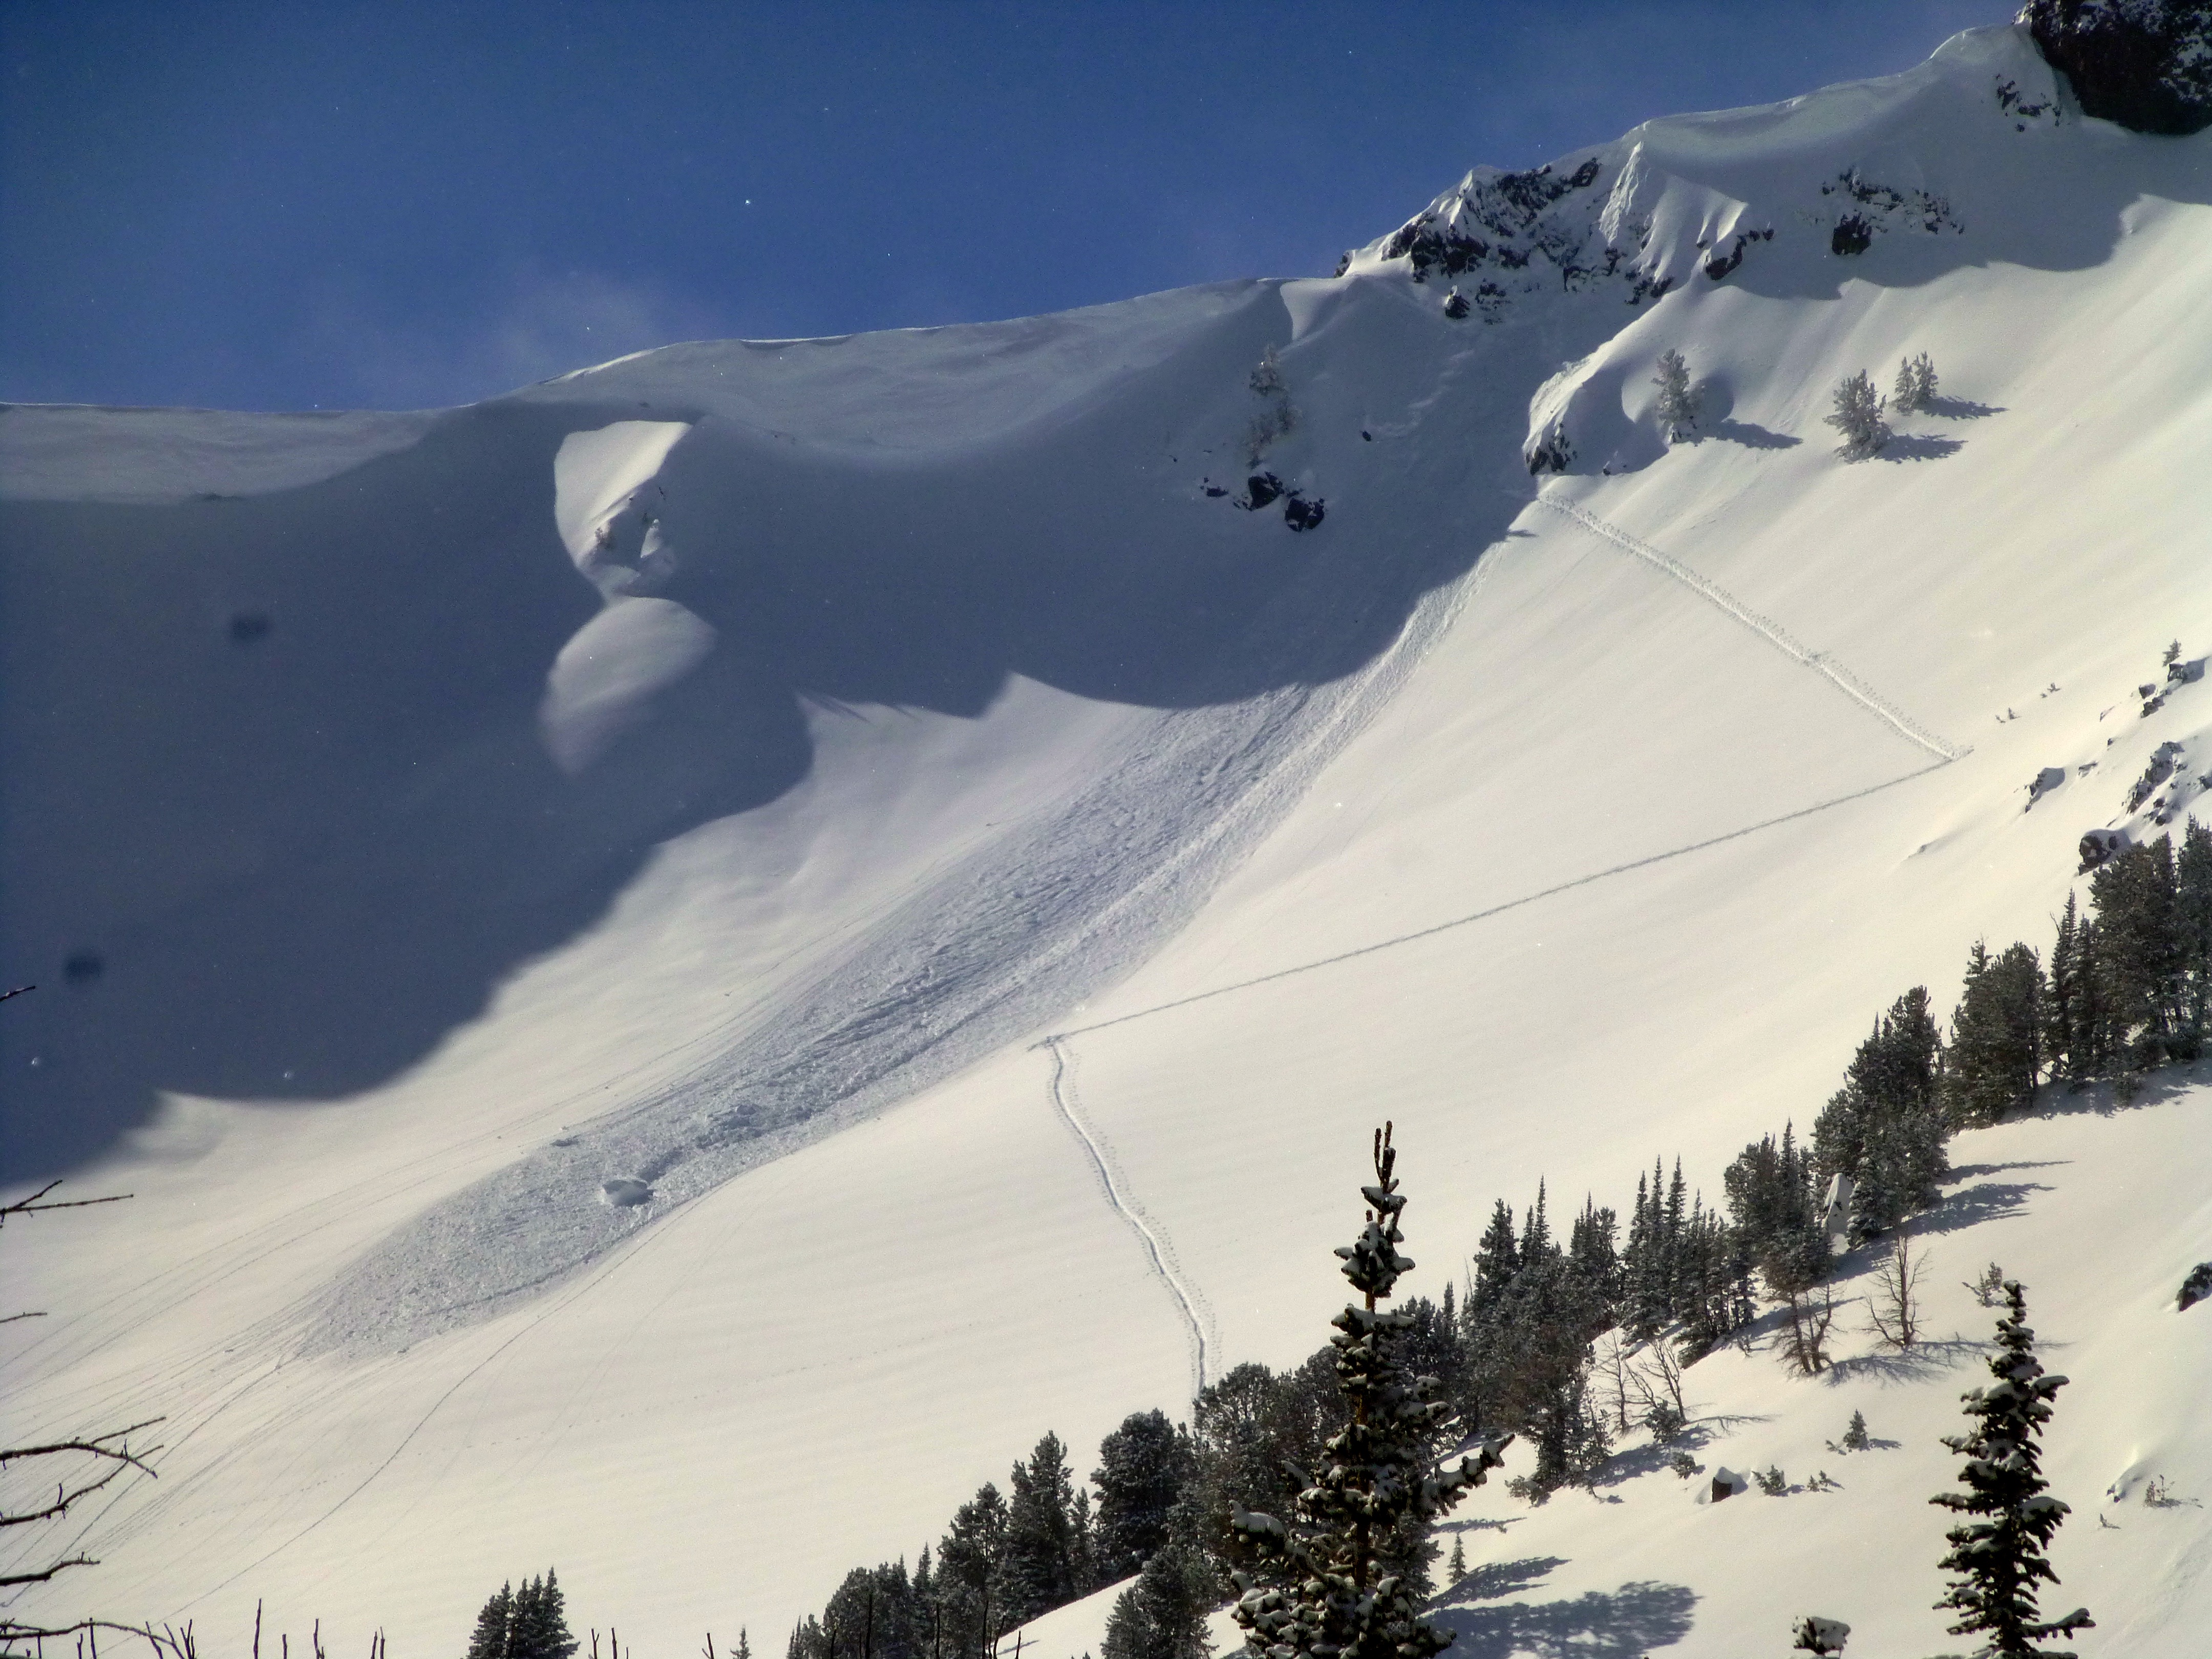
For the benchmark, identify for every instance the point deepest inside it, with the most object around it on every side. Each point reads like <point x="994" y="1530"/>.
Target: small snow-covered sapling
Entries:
<point x="1772" y="1481"/>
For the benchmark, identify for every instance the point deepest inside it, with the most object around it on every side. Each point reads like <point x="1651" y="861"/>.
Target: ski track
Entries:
<point x="1159" y="1253"/>
<point x="1498" y="910"/>
<point x="1765" y="627"/>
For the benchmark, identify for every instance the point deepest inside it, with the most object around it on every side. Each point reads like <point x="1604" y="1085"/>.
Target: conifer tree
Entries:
<point x="1995" y="1059"/>
<point x="1163" y="1615"/>
<point x="1999" y="1553"/>
<point x="1321" y="1584"/>
<point x="537" y="1626"/>
<point x="1916" y="385"/>
<point x="1859" y="417"/>
<point x="1143" y="1468"/>
<point x="1041" y="1542"/>
<point x="1677" y="408"/>
<point x="492" y="1624"/>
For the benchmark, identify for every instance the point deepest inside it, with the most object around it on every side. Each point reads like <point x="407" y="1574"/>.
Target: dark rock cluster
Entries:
<point x="2146" y="64"/>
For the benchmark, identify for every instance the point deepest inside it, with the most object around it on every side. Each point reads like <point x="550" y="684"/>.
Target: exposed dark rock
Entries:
<point x="2101" y="846"/>
<point x="1551" y="452"/>
<point x="2146" y="64"/>
<point x="1300" y="513"/>
<point x="2197" y="1288"/>
<point x="1852" y="235"/>
<point x="1259" y="490"/>
<point x="1455" y="304"/>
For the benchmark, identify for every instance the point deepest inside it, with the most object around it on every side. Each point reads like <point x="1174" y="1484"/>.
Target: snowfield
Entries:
<point x="683" y="962"/>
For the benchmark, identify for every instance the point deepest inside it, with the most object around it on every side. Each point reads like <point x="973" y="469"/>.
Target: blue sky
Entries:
<point x="315" y="204"/>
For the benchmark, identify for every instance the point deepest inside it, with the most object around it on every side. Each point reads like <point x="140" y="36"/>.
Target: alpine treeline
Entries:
<point x="1513" y="1348"/>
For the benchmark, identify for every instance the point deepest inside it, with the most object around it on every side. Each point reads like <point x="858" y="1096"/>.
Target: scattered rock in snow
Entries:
<point x="2197" y="1288"/>
<point x="1300" y="513"/>
<point x="1817" y="1635"/>
<point x="2184" y="673"/>
<point x="2045" y="780"/>
<point x="2161" y="769"/>
<point x="1259" y="490"/>
<point x="624" y="1192"/>
<point x="1726" y="1483"/>
<point x="1455" y="304"/>
<point x="2101" y="846"/>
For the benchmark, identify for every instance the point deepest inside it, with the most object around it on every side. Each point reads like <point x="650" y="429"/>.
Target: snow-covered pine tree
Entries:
<point x="1916" y="385"/>
<point x="1457" y="1567"/>
<point x="1320" y="1586"/>
<point x="1678" y="407"/>
<point x="489" y="1640"/>
<point x="1859" y="417"/>
<point x="1998" y="1554"/>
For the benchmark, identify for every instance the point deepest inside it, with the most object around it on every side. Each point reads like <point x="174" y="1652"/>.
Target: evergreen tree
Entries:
<point x="1677" y="408"/>
<point x="1497" y="1259"/>
<point x="1163" y="1615"/>
<point x="2192" y="875"/>
<point x="1999" y="1553"/>
<point x="2143" y="960"/>
<point x="492" y="1624"/>
<point x="1041" y="1544"/>
<point x="1885" y="1127"/>
<point x="972" y="1574"/>
<point x="1143" y="1468"/>
<point x="1995" y="1059"/>
<point x="1916" y="385"/>
<point x="537" y="1626"/>
<point x="1320" y="1585"/>
<point x="1859" y="417"/>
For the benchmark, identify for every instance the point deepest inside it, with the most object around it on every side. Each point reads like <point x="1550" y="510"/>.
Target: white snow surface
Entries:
<point x="678" y="1053"/>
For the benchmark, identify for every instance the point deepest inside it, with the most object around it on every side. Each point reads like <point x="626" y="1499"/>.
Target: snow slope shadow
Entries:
<point x="279" y="813"/>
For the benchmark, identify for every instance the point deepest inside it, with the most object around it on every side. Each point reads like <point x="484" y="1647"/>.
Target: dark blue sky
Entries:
<point x="312" y="203"/>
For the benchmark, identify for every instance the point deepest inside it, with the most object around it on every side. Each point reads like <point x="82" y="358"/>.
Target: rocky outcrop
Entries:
<point x="2144" y="63"/>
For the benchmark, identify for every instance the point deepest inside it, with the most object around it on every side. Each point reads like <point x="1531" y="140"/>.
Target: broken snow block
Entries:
<point x="1727" y="1483"/>
<point x="2101" y="846"/>
<point x="2197" y="1288"/>
<point x="2045" y="780"/>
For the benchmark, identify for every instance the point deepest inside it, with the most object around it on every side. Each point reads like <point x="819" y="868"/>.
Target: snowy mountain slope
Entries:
<point x="1007" y="729"/>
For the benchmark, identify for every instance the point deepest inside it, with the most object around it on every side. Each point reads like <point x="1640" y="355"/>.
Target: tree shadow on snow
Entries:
<point x="1985" y="1200"/>
<point x="1752" y="436"/>
<point x="1929" y="1356"/>
<point x="1628" y="1623"/>
<point x="1960" y="409"/>
<point x="1919" y="446"/>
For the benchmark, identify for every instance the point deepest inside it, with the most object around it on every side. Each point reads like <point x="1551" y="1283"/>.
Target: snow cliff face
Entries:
<point x="1095" y="765"/>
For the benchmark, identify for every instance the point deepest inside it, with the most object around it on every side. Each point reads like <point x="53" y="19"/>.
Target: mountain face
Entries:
<point x="2144" y="63"/>
<point x="684" y="961"/>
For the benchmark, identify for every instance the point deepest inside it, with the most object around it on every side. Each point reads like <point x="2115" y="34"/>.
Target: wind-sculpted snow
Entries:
<point x="1056" y="909"/>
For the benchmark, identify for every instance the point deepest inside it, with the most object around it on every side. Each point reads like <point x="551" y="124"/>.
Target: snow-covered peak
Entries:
<point x="1794" y="187"/>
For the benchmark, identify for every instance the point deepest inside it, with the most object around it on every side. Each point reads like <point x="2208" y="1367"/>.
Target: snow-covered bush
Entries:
<point x="1772" y="1481"/>
<point x="1677" y="410"/>
<point x="1859" y="417"/>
